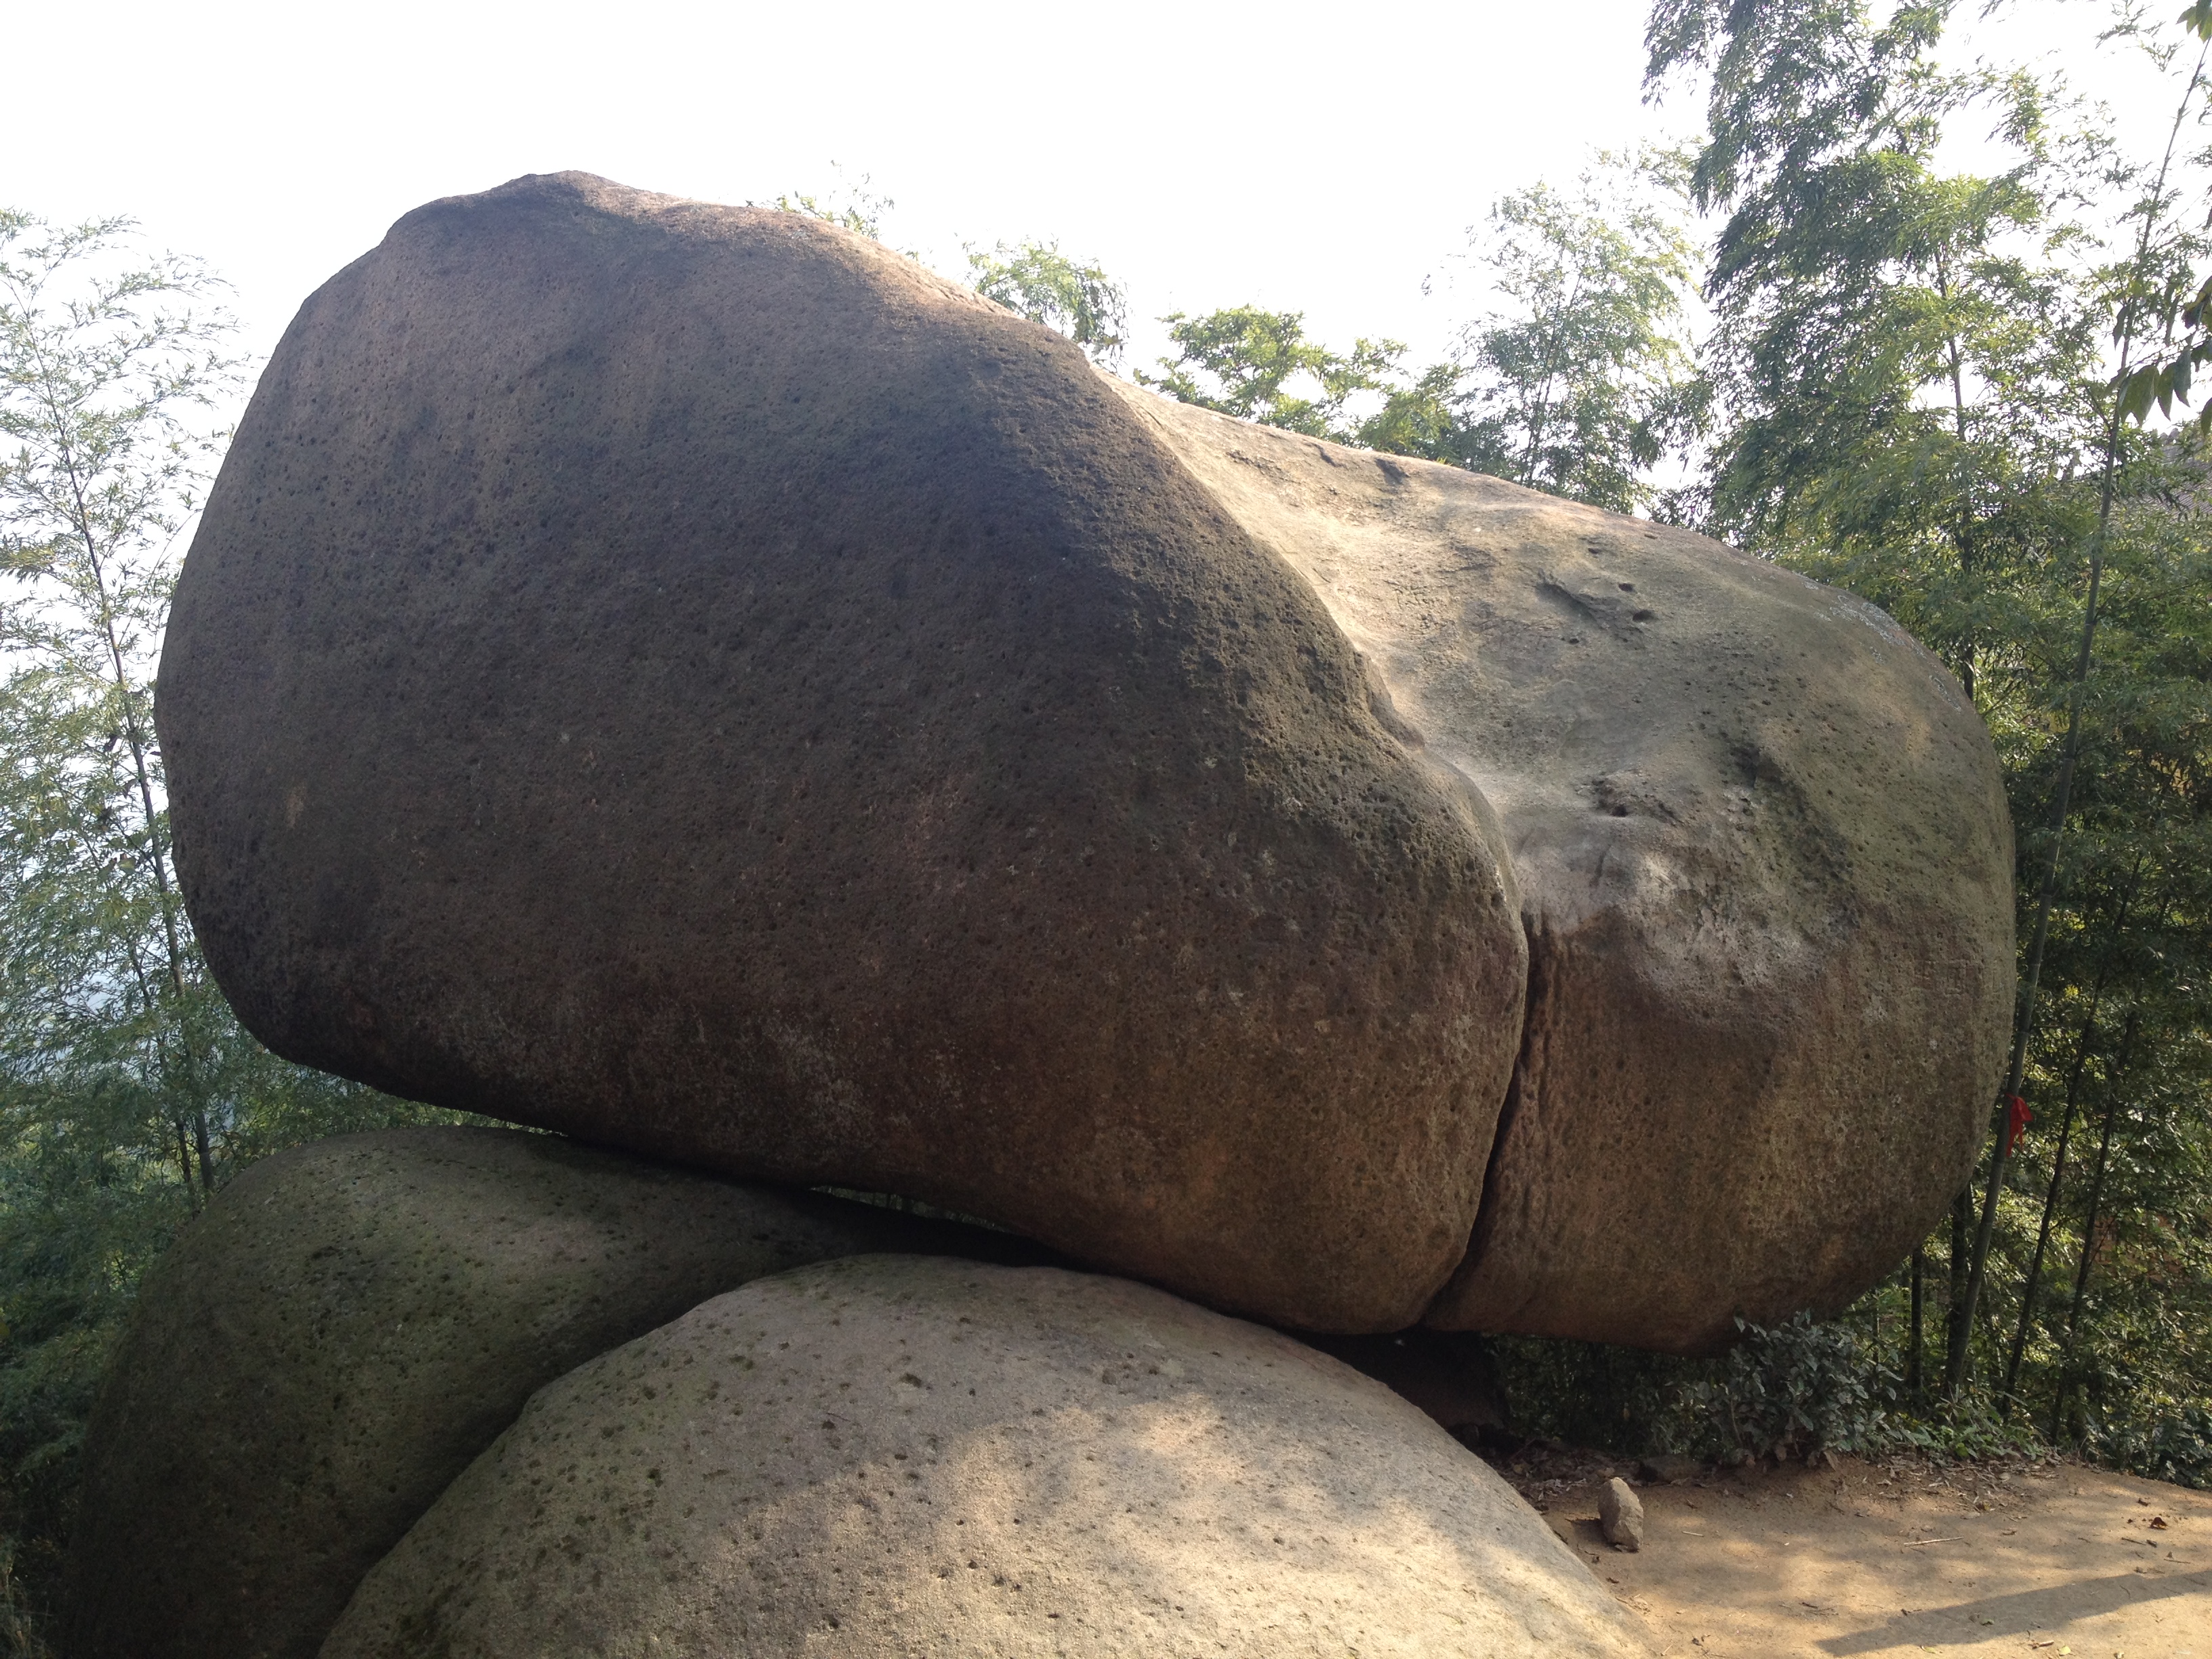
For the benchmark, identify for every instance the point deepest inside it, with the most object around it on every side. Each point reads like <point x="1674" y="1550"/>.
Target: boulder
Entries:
<point x="894" y="1455"/>
<point x="689" y="678"/>
<point x="348" y="1325"/>
<point x="1620" y="1515"/>
<point x="1764" y="862"/>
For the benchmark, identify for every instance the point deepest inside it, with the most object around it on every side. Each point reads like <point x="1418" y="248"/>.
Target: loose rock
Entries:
<point x="348" y="1325"/>
<point x="1620" y="1515"/>
<point x="892" y="1455"/>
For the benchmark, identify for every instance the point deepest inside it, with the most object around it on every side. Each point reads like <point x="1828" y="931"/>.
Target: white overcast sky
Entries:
<point x="1209" y="153"/>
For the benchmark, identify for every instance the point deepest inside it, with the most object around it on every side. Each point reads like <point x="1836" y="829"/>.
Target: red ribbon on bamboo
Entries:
<point x="2017" y="1118"/>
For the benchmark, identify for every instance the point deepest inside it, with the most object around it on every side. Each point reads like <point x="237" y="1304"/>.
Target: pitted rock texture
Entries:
<point x="887" y="1456"/>
<point x="1764" y="860"/>
<point x="687" y="676"/>
<point x="348" y="1325"/>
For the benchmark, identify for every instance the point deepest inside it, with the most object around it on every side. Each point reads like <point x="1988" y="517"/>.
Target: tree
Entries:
<point x="851" y="205"/>
<point x="99" y="395"/>
<point x="1910" y="375"/>
<point x="1893" y="380"/>
<point x="1854" y="288"/>
<point x="1584" y="384"/>
<point x="1259" y="366"/>
<point x="2184" y="318"/>
<point x="1038" y="281"/>
<point x="2152" y="215"/>
<point x="1578" y="389"/>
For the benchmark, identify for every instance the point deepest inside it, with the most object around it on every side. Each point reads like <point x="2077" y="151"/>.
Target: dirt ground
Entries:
<point x="1898" y="1558"/>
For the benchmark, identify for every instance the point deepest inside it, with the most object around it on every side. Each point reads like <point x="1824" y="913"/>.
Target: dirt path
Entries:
<point x="1867" y="1559"/>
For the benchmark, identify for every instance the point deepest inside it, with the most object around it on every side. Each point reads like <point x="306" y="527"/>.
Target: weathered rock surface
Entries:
<point x="1620" y="1515"/>
<point x="1764" y="860"/>
<point x="348" y="1325"/>
<point x="687" y="676"/>
<point x="890" y="1455"/>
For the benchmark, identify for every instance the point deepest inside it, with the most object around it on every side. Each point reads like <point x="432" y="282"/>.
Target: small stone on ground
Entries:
<point x="1620" y="1514"/>
<point x="1893" y="1560"/>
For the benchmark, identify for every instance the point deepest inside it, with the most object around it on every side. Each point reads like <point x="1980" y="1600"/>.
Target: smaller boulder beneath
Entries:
<point x="348" y="1324"/>
<point x="1620" y="1515"/>
<point x="891" y="1455"/>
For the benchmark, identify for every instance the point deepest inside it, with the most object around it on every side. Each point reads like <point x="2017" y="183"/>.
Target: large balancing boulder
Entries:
<point x="348" y="1325"/>
<point x="894" y="1455"/>
<point x="1764" y="861"/>
<point x="687" y="677"/>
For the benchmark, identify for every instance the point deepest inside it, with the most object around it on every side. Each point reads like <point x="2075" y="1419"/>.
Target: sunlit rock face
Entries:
<point x="348" y="1324"/>
<point x="886" y="1455"/>
<point x="687" y="677"/>
<point x="1763" y="863"/>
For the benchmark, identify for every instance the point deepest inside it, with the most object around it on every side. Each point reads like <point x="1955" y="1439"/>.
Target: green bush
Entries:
<point x="1791" y="1390"/>
<point x="1794" y="1389"/>
<point x="2170" y="1441"/>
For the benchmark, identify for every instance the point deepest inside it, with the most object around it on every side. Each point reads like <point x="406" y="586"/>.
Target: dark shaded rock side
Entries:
<point x="687" y="676"/>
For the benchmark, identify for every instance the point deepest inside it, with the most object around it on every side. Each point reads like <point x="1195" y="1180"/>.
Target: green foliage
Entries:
<point x="128" y="1091"/>
<point x="1423" y="416"/>
<point x="1912" y="379"/>
<point x="2161" y="296"/>
<point x="1897" y="377"/>
<point x="2174" y="1443"/>
<point x="1593" y="1394"/>
<point x="1790" y="1391"/>
<point x="1579" y="388"/>
<point x="850" y="205"/>
<point x="1584" y="384"/>
<point x="1040" y="283"/>
<point x="1793" y="87"/>
<point x="1793" y="1391"/>
<point x="18" y="1629"/>
<point x="1259" y="366"/>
